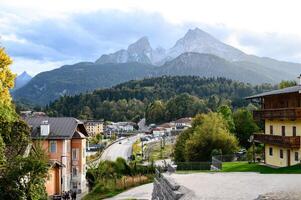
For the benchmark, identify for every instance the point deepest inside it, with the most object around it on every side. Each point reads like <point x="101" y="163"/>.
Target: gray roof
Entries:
<point x="293" y="89"/>
<point x="60" y="127"/>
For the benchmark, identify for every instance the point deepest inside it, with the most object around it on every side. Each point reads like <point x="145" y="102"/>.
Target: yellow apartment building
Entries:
<point x="94" y="127"/>
<point x="281" y="112"/>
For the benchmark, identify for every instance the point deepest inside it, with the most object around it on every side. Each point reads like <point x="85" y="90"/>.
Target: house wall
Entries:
<point x="275" y="159"/>
<point x="63" y="155"/>
<point x="288" y="127"/>
<point x="158" y="133"/>
<point x="79" y="163"/>
<point x="52" y="186"/>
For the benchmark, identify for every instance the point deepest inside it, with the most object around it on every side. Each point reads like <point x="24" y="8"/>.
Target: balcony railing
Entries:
<point x="278" y="113"/>
<point x="278" y="140"/>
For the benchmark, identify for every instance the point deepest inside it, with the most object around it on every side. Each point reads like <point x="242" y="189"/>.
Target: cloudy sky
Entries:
<point x="43" y="35"/>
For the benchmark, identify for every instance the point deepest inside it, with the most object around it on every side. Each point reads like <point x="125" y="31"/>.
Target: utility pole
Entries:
<point x="253" y="151"/>
<point x="161" y="148"/>
<point x="142" y="149"/>
<point x="251" y="140"/>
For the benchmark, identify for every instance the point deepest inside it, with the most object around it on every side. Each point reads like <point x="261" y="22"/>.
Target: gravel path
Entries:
<point x="143" y="192"/>
<point x="241" y="186"/>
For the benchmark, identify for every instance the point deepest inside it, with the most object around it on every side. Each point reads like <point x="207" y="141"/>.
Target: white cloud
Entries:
<point x="255" y="15"/>
<point x="32" y="66"/>
<point x="249" y="25"/>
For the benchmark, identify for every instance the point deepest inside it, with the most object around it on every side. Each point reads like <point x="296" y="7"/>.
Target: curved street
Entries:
<point x="123" y="149"/>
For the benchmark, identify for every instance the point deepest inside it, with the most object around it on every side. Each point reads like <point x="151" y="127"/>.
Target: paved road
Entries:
<point x="141" y="192"/>
<point x="119" y="149"/>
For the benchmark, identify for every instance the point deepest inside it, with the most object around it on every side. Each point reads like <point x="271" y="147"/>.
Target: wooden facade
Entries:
<point x="281" y="141"/>
<point x="283" y="107"/>
<point x="281" y="112"/>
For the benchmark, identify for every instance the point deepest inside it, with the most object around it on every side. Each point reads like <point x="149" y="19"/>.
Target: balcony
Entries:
<point x="278" y="113"/>
<point x="278" y="140"/>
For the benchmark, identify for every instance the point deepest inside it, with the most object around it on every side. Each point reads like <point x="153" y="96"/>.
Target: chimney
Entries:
<point x="45" y="128"/>
<point x="299" y="77"/>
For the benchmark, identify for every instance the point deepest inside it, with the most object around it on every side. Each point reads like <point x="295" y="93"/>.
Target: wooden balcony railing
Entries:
<point x="278" y="140"/>
<point x="279" y="113"/>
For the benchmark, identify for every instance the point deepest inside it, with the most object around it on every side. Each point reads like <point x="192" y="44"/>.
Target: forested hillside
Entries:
<point x="159" y="99"/>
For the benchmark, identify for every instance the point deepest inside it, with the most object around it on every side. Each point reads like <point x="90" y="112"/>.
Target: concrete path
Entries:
<point x="143" y="192"/>
<point x="240" y="186"/>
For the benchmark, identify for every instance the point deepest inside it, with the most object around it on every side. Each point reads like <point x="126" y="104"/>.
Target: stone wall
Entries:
<point x="165" y="188"/>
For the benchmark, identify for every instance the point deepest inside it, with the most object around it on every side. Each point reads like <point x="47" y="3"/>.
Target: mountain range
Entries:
<point x="196" y="53"/>
<point x="22" y="80"/>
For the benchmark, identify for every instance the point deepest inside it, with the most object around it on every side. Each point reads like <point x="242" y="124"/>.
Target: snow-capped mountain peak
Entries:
<point x="140" y="46"/>
<point x="196" y="40"/>
<point x="139" y="51"/>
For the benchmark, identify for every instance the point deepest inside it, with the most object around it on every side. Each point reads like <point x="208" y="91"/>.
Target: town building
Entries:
<point x="281" y="112"/>
<point x="29" y="113"/>
<point x="118" y="128"/>
<point x="183" y="123"/>
<point x="64" y="140"/>
<point x="168" y="128"/>
<point x="158" y="132"/>
<point x="94" y="126"/>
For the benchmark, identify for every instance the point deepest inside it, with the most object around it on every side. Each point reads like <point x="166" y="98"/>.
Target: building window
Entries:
<point x="52" y="146"/>
<point x="74" y="185"/>
<point x="283" y="130"/>
<point x="74" y="171"/>
<point x="296" y="156"/>
<point x="271" y="130"/>
<point x="294" y="131"/>
<point x="271" y="151"/>
<point x="68" y="146"/>
<point x="74" y="154"/>
<point x="281" y="153"/>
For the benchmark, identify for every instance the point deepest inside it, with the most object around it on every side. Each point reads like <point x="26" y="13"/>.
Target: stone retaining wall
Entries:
<point x="165" y="188"/>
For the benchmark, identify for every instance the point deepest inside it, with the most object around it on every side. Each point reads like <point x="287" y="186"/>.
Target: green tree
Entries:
<point x="285" y="84"/>
<point x="210" y="135"/>
<point x="213" y="102"/>
<point x="227" y="114"/>
<point x="21" y="176"/>
<point x="122" y="168"/>
<point x="179" y="149"/>
<point x="86" y="113"/>
<point x="183" y="105"/>
<point x="245" y="125"/>
<point x="155" y="112"/>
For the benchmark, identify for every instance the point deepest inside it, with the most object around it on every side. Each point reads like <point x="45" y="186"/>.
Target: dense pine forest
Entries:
<point x="159" y="99"/>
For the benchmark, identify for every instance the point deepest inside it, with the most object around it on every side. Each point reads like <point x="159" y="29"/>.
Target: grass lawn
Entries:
<point x="137" y="150"/>
<point x="156" y="153"/>
<point x="112" y="188"/>
<point x="253" y="167"/>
